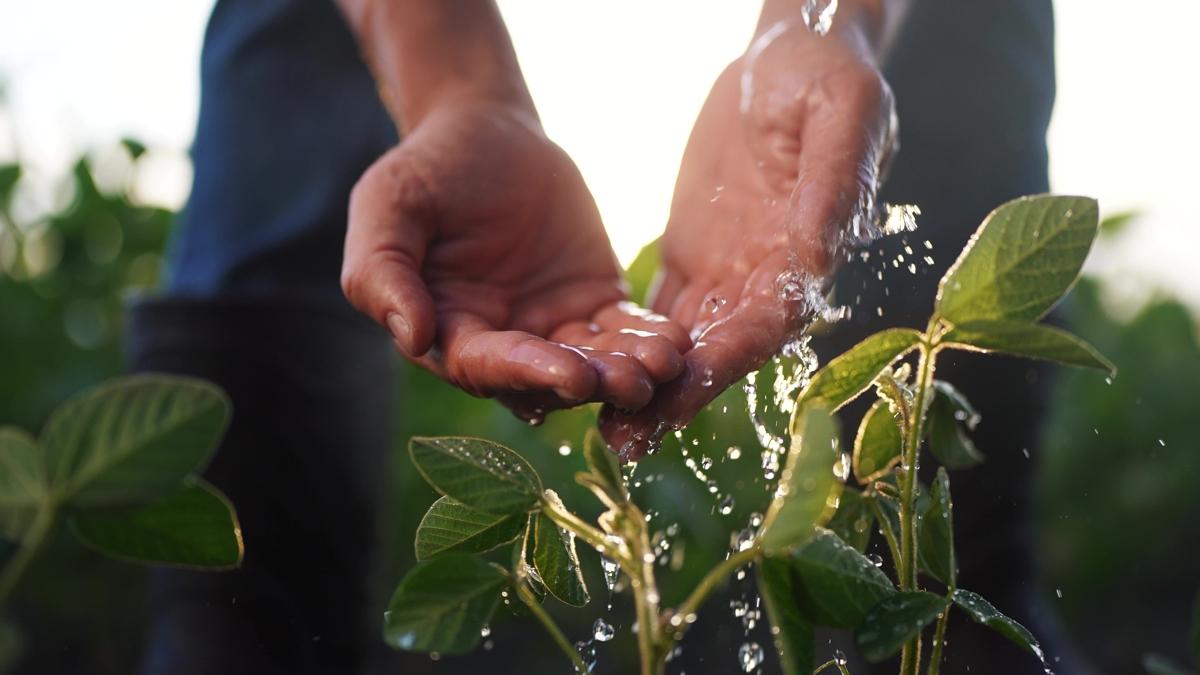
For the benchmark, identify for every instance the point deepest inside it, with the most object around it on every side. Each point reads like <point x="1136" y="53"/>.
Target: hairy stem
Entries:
<point x="552" y="628"/>
<point x="939" y="642"/>
<point x="842" y="669"/>
<point x="910" y="657"/>
<point x="31" y="545"/>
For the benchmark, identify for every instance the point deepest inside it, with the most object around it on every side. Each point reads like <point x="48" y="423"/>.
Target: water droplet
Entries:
<point x="750" y="655"/>
<point x="726" y="505"/>
<point x="733" y="452"/>
<point x="1058" y="592"/>
<point x="564" y="449"/>
<point x="839" y="657"/>
<point x="603" y="631"/>
<point x="485" y="631"/>
<point x="706" y="462"/>
<point x="1162" y="442"/>
<point x="876" y="559"/>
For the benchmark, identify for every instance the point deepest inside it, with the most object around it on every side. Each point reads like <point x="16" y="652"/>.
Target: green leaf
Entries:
<point x="837" y="584"/>
<point x="852" y="522"/>
<point x="790" y="629"/>
<point x="22" y="481"/>
<point x="848" y="375"/>
<point x="479" y="473"/>
<point x="450" y="526"/>
<point x="604" y="467"/>
<point x="132" y="440"/>
<point x="937" y="532"/>
<point x="983" y="612"/>
<point x="808" y="488"/>
<point x="1021" y="261"/>
<point x="877" y="444"/>
<point x="948" y="439"/>
<point x="556" y="560"/>
<point x="895" y="621"/>
<point x="441" y="605"/>
<point x="194" y="526"/>
<point x="1030" y="340"/>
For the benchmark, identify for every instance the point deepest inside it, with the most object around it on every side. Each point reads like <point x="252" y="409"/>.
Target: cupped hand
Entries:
<point x="476" y="243"/>
<point x="781" y="168"/>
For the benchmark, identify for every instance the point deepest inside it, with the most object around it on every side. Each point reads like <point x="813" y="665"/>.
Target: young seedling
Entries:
<point x="117" y="464"/>
<point x="1022" y="260"/>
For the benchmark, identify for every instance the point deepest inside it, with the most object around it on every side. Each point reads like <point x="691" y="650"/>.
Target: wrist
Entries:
<point x="864" y="22"/>
<point x="426" y="54"/>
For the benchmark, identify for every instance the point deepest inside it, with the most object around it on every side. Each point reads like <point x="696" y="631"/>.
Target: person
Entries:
<point x="389" y="152"/>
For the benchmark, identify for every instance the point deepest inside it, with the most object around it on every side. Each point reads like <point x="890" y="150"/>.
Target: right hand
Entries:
<point x="476" y="243"/>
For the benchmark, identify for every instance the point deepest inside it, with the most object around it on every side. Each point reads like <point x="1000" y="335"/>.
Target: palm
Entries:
<point x="773" y="174"/>
<point x="493" y="249"/>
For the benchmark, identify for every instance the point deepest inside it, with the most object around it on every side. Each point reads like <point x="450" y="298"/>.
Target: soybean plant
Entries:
<point x="808" y="550"/>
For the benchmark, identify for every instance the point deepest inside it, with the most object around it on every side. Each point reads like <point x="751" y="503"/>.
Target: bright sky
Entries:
<point x="1123" y="129"/>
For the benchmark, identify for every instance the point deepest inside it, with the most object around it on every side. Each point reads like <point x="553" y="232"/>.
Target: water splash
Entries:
<point x="602" y="631"/>
<point x="818" y="15"/>
<point x="750" y="655"/>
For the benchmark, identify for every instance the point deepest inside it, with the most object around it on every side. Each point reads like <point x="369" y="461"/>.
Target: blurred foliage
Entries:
<point x="1118" y="485"/>
<point x="1119" y="511"/>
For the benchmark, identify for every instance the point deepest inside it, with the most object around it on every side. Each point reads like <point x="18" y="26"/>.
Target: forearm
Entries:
<point x="426" y="52"/>
<point x="876" y="20"/>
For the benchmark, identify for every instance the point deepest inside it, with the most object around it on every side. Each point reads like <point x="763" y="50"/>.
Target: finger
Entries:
<point x="385" y="245"/>
<point x="657" y="355"/>
<point x="622" y="315"/>
<point x="729" y="349"/>
<point x="687" y="305"/>
<point x="623" y="382"/>
<point x="663" y="290"/>
<point x="488" y="362"/>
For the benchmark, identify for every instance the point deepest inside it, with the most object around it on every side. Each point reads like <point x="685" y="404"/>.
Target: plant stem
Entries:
<point x="552" y="628"/>
<point x="939" y="641"/>
<point x="910" y="658"/>
<point x="31" y="545"/>
<point x="842" y="669"/>
<point x="715" y="577"/>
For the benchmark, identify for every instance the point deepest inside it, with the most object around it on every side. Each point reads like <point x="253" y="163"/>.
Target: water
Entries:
<point x="750" y="655"/>
<point x="818" y="15"/>
<point x="602" y="631"/>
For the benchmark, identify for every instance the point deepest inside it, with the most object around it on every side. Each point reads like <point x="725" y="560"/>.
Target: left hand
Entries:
<point x="782" y="164"/>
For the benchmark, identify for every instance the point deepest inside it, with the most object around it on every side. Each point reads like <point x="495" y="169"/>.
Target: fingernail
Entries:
<point x="400" y="329"/>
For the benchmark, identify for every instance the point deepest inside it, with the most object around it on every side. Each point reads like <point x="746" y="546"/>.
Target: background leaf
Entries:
<point x="791" y="632"/>
<point x="877" y="443"/>
<point x="937" y="532"/>
<point x="1156" y="664"/>
<point x="807" y="492"/>
<point x="852" y="522"/>
<point x="895" y="621"/>
<point x="1021" y="261"/>
<point x="479" y="473"/>
<point x="948" y="439"/>
<point x="442" y="604"/>
<point x="1030" y="340"/>
<point x="556" y="560"/>
<point x="132" y="440"/>
<point x="194" y="526"/>
<point x="848" y="375"/>
<point x="983" y="612"/>
<point x="451" y="526"/>
<point x="22" y="481"/>
<point x="837" y="585"/>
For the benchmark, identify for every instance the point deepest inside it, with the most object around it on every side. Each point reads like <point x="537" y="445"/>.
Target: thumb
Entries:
<point x="386" y="238"/>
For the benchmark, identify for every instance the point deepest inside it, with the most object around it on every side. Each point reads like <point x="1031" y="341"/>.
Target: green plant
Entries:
<point x="1021" y="261"/>
<point x="116" y="464"/>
